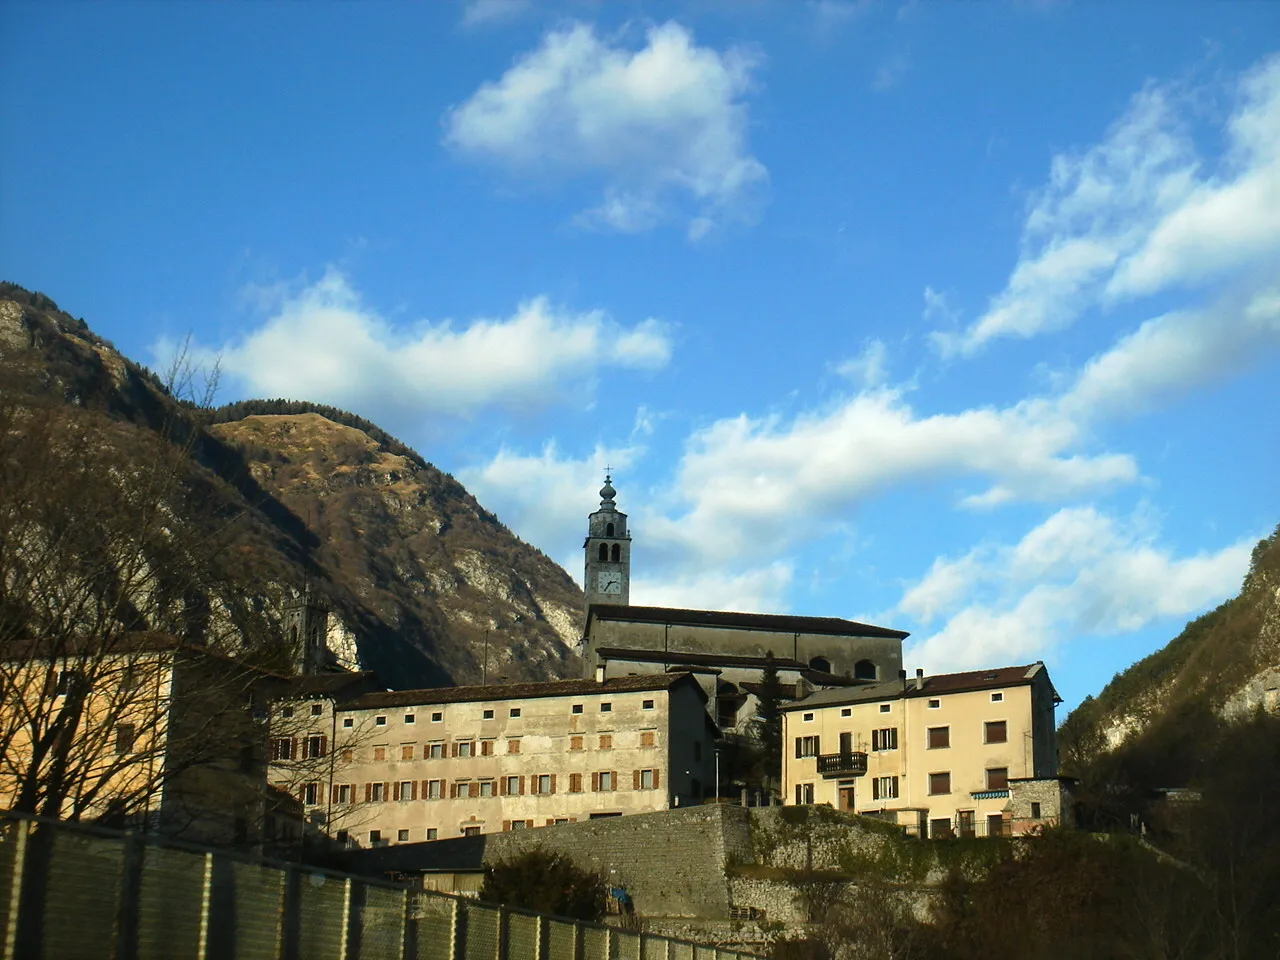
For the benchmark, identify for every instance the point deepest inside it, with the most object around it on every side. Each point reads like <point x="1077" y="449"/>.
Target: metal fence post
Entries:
<point x="206" y="907"/>
<point x="503" y="937"/>
<point x="350" y="923"/>
<point x="455" y="924"/>
<point x="10" y="946"/>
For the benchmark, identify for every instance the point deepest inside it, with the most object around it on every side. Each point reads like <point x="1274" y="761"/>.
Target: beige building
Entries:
<point x="936" y="755"/>
<point x="142" y="730"/>
<point x="415" y="765"/>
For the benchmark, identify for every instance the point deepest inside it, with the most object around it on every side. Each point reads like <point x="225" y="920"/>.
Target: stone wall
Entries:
<point x="671" y="863"/>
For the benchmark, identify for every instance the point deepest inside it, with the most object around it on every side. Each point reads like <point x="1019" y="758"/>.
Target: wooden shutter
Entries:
<point x="798" y="748"/>
<point x="506" y="824"/>
<point x="655" y="779"/>
<point x="293" y="748"/>
<point x="333" y="793"/>
<point x="453" y="749"/>
<point x="522" y="786"/>
<point x="453" y="791"/>
<point x="474" y="790"/>
<point x="875" y="789"/>
<point x="553" y="783"/>
<point x="502" y="786"/>
<point x="414" y="788"/>
<point x="875" y="739"/>
<point x="426" y="789"/>
<point x="635" y="779"/>
<point x="614" y="779"/>
<point x="368" y="792"/>
<point x="595" y="783"/>
<point x="386" y="790"/>
<point x="396" y="788"/>
<point x="324" y="745"/>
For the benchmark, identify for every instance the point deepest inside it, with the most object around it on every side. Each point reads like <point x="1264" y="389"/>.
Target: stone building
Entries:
<point x="936" y="755"/>
<point x="415" y="765"/>
<point x="725" y="651"/>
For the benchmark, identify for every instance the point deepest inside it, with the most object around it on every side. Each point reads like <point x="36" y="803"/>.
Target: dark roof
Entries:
<point x="993" y="679"/>
<point x="120" y="644"/>
<point x="782" y="623"/>
<point x="519" y="691"/>
<point x="695" y="659"/>
<point x="332" y="685"/>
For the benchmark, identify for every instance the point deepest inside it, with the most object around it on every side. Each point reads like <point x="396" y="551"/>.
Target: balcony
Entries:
<point x="842" y="764"/>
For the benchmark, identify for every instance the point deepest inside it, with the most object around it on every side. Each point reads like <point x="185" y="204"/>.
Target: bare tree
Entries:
<point x="129" y="655"/>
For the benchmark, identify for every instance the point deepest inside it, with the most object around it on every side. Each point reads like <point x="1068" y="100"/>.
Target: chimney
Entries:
<point x="600" y="672"/>
<point x="902" y="679"/>
<point x="802" y="688"/>
<point x="919" y="678"/>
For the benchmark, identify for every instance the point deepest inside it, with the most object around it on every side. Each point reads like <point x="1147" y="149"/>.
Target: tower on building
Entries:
<point x="306" y="624"/>
<point x="607" y="577"/>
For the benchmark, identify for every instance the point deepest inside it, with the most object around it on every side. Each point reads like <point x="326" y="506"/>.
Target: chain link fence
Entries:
<point x="77" y="892"/>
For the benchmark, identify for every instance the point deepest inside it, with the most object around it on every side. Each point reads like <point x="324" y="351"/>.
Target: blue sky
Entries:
<point x="960" y="318"/>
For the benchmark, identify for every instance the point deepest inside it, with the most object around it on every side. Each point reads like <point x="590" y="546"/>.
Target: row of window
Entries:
<point x="437" y="716"/>
<point x="540" y="784"/>
<point x="934" y="704"/>
<point x="376" y="838"/>
<point x="886" y="738"/>
<point x="316" y="745"/>
<point x="886" y="788"/>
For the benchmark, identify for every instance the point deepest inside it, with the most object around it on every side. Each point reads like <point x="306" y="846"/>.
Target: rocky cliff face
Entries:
<point x="416" y="549"/>
<point x="419" y="577"/>
<point x="1226" y="663"/>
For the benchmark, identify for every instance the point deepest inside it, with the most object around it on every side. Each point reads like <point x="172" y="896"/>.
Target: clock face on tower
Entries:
<point x="609" y="581"/>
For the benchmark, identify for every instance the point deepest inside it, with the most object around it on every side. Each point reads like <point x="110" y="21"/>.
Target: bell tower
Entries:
<point x="607" y="578"/>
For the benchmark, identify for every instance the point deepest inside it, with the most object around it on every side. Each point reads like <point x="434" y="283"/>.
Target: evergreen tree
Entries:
<point x="768" y="721"/>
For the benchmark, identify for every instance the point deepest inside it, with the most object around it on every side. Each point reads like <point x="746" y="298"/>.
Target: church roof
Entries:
<point x="780" y="623"/>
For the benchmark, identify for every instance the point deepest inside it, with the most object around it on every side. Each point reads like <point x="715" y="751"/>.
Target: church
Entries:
<point x="724" y="651"/>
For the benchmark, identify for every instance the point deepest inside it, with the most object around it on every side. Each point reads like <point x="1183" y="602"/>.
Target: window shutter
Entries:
<point x="502" y="786"/>
<point x="595" y="783"/>
<point x="396" y="791"/>
<point x="453" y="791"/>
<point x="368" y="792"/>
<point x="506" y="824"/>
<point x="655" y="780"/>
<point x="875" y="739"/>
<point x="614" y="780"/>
<point x="551" y="821"/>
<point x="522" y="786"/>
<point x="635" y="779"/>
<point x="324" y="746"/>
<point x="817" y="750"/>
<point x="798" y="751"/>
<point x="426" y="790"/>
<point x="475" y="789"/>
<point x="414" y="788"/>
<point x="333" y="793"/>
<point x="293" y="748"/>
<point x="453" y="749"/>
<point x="553" y="783"/>
<point x="875" y="789"/>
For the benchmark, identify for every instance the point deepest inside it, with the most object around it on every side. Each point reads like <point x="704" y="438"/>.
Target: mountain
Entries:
<point x="1223" y="667"/>
<point x="419" y="577"/>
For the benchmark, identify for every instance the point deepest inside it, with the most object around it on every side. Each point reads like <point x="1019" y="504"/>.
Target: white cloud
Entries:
<point x="1173" y="353"/>
<point x="322" y="343"/>
<point x="476" y="13"/>
<point x="1080" y="573"/>
<point x="867" y="369"/>
<point x="660" y="125"/>
<point x="829" y="15"/>
<point x="1138" y="213"/>
<point x="754" y="485"/>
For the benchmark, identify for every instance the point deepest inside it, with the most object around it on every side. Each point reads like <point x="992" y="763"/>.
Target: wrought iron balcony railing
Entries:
<point x="842" y="764"/>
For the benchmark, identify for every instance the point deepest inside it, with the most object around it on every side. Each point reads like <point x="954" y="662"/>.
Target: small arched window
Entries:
<point x="608" y="529"/>
<point x="864" y="670"/>
<point x="821" y="664"/>
<point x="604" y="553"/>
<point x="617" y="553"/>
